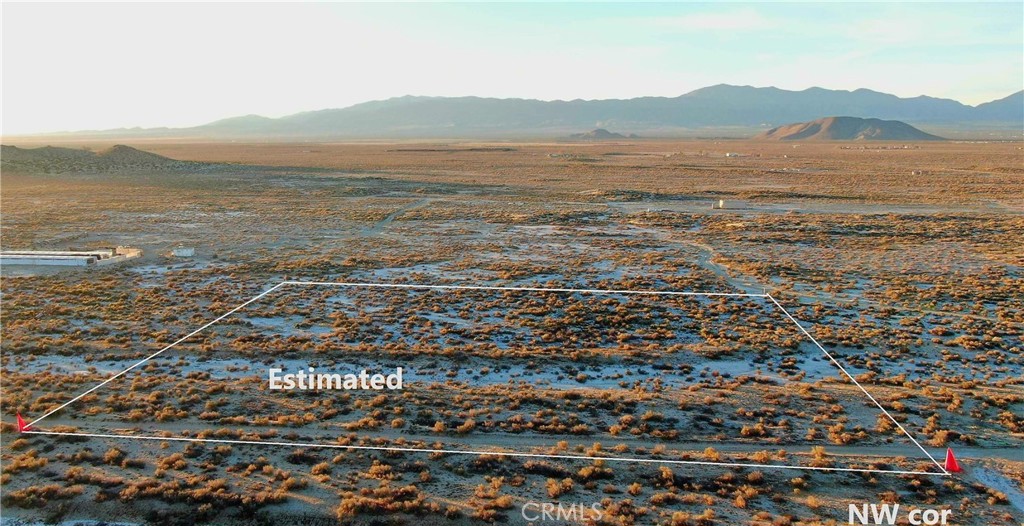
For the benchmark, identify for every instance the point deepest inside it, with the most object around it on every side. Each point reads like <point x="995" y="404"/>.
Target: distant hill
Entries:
<point x="1009" y="109"/>
<point x="723" y="106"/>
<point x="848" y="129"/>
<point x="53" y="159"/>
<point x="601" y="134"/>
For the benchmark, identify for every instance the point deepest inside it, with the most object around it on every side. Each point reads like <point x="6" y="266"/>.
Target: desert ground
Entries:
<point x="903" y="261"/>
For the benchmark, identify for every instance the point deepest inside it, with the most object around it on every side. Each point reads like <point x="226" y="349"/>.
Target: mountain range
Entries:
<point x="721" y="106"/>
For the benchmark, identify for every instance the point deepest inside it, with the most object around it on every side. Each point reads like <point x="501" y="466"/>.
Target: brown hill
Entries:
<point x="601" y="134"/>
<point x="121" y="154"/>
<point x="54" y="159"/>
<point x="848" y="129"/>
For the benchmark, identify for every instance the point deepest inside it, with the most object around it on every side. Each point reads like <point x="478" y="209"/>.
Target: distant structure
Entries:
<point x="127" y="252"/>
<point x="68" y="258"/>
<point x="183" y="252"/>
<point x="732" y="154"/>
<point x="731" y="204"/>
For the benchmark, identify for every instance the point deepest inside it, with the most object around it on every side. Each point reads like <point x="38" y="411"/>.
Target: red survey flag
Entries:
<point x="22" y="426"/>
<point x="952" y="465"/>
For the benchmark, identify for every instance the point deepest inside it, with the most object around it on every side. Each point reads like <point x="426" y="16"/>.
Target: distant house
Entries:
<point x="183" y="252"/>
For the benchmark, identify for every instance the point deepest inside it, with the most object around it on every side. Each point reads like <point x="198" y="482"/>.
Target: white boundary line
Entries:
<point x="521" y="289"/>
<point x="480" y="452"/>
<point x="855" y="382"/>
<point x="483" y="452"/>
<point x="154" y="355"/>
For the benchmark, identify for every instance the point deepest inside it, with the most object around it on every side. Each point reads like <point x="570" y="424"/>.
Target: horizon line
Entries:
<point x="482" y="97"/>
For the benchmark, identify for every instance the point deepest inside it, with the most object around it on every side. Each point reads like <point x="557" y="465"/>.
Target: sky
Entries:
<point x="100" y="66"/>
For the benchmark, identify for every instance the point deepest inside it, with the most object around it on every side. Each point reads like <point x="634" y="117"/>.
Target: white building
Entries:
<point x="68" y="258"/>
<point x="183" y="252"/>
<point x="64" y="260"/>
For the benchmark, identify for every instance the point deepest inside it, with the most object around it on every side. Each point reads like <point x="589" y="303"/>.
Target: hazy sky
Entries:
<point x="88" y="66"/>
